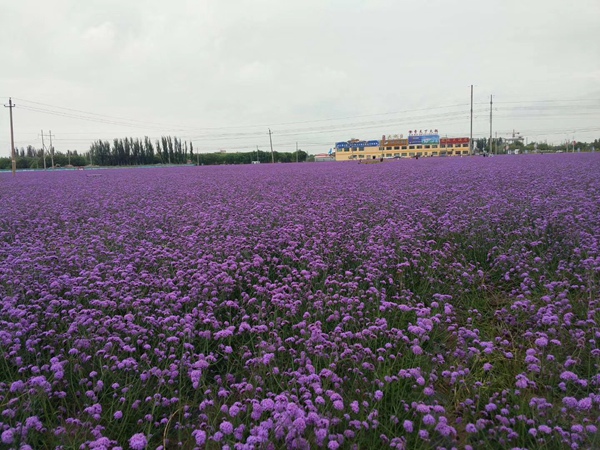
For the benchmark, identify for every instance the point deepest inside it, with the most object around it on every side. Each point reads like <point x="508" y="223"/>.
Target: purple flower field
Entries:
<point x="439" y="303"/>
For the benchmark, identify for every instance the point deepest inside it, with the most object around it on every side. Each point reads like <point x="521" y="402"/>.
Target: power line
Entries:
<point x="440" y="117"/>
<point x="119" y="121"/>
<point x="91" y="113"/>
<point x="554" y="101"/>
<point x="91" y="119"/>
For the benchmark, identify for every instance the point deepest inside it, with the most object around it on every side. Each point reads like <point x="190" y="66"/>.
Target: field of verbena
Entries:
<point x="438" y="303"/>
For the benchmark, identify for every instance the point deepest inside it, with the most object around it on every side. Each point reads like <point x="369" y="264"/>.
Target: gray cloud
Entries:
<point x="193" y="66"/>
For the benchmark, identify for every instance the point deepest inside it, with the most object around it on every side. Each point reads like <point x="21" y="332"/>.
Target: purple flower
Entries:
<point x="33" y="422"/>
<point x="226" y="428"/>
<point x="444" y="429"/>
<point x="428" y="419"/>
<point x="138" y="442"/>
<point x="422" y="408"/>
<point x="218" y="436"/>
<point x="568" y="376"/>
<point x="491" y="407"/>
<point x="299" y="425"/>
<point x="234" y="410"/>
<point x="17" y="386"/>
<point x="267" y="404"/>
<point x="522" y="381"/>
<point x="127" y="295"/>
<point x="8" y="436"/>
<point x="585" y="404"/>
<point x="199" y="436"/>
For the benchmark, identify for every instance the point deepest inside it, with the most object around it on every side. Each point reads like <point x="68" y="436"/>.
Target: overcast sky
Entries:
<point x="220" y="73"/>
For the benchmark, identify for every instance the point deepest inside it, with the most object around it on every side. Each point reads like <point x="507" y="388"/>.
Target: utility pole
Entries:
<point x="471" y="135"/>
<point x="10" y="106"/>
<point x="51" y="149"/>
<point x="271" y="141"/>
<point x="490" y="124"/>
<point x="43" y="150"/>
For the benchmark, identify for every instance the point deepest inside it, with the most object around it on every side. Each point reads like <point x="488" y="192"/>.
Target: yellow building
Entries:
<point x="399" y="147"/>
<point x="357" y="150"/>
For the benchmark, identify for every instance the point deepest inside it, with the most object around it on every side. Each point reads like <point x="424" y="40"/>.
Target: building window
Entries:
<point x="388" y="148"/>
<point x="404" y="147"/>
<point x="465" y="152"/>
<point x="465" y="145"/>
<point x="411" y="153"/>
<point x="396" y="148"/>
<point x="428" y="146"/>
<point x="380" y="148"/>
<point x="361" y="156"/>
<point x="434" y="153"/>
<point x="404" y="154"/>
<point x="361" y="149"/>
<point x="419" y="146"/>
<point x="434" y="146"/>
<point x="411" y="147"/>
<point x="388" y="155"/>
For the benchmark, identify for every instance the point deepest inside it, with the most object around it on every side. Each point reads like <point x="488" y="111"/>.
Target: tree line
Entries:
<point x="134" y="152"/>
<point x="211" y="159"/>
<point x="499" y="145"/>
<point x="131" y="152"/>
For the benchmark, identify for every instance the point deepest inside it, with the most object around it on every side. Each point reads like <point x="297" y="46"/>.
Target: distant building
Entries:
<point x="397" y="146"/>
<point x="321" y="157"/>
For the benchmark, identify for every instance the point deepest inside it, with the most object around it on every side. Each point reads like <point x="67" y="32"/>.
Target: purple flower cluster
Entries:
<point x="435" y="303"/>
